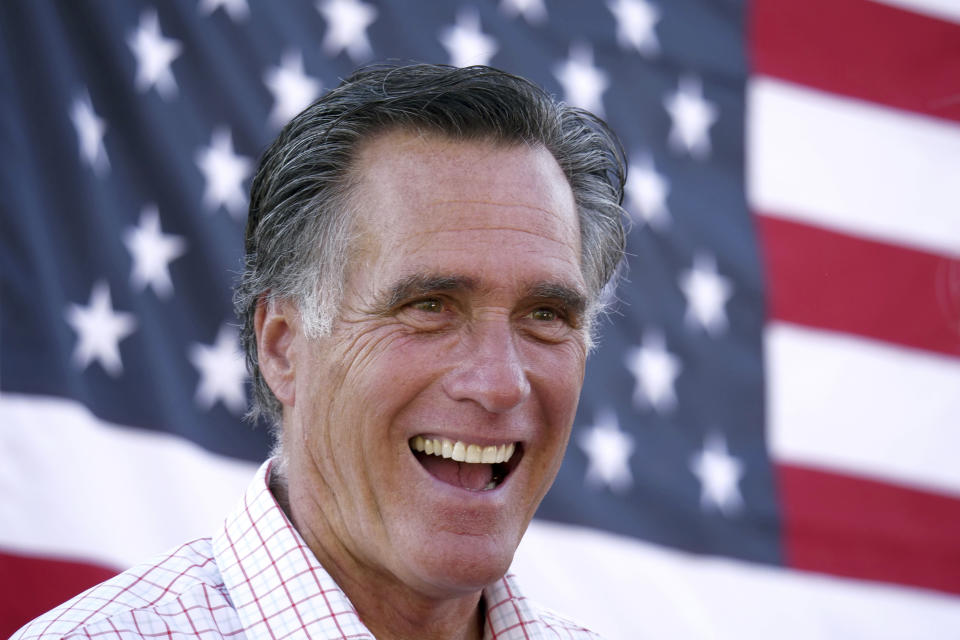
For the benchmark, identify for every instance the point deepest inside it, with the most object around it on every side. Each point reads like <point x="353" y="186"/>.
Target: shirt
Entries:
<point x="255" y="578"/>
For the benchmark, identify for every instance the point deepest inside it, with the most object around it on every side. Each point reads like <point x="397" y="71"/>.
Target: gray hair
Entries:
<point x="299" y="228"/>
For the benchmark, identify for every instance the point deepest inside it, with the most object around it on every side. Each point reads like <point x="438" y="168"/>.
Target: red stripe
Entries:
<point x="853" y="527"/>
<point x="860" y="49"/>
<point x="31" y="586"/>
<point x="830" y="280"/>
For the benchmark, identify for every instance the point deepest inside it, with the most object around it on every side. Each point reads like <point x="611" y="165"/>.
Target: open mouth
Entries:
<point x="467" y="466"/>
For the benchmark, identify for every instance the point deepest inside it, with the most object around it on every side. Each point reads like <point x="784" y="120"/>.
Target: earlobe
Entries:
<point x="275" y="327"/>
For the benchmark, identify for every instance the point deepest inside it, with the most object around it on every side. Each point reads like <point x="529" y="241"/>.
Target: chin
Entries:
<point x="455" y="564"/>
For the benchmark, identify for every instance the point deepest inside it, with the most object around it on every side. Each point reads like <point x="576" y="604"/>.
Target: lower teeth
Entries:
<point x="494" y="481"/>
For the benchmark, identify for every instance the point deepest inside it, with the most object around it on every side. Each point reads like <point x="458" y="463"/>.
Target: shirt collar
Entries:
<point x="279" y="588"/>
<point x="276" y="584"/>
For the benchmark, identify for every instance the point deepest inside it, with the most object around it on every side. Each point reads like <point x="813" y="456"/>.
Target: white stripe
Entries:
<point x="853" y="166"/>
<point x="74" y="486"/>
<point x="853" y="405"/>
<point x="625" y="589"/>
<point x="943" y="9"/>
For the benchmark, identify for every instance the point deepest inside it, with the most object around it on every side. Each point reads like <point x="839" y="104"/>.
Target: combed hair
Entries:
<point x="300" y="226"/>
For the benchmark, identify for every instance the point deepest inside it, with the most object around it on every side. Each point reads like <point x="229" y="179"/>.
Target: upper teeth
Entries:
<point x="463" y="452"/>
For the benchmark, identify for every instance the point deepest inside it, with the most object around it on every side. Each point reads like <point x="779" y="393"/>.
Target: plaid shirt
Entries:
<point x="256" y="578"/>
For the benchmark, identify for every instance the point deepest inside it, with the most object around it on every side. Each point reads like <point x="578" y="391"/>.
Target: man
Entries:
<point x="425" y="254"/>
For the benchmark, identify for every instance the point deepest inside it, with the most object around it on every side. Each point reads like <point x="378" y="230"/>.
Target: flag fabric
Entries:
<point x="768" y="440"/>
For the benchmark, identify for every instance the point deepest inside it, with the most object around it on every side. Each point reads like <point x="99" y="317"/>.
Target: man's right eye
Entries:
<point x="429" y="305"/>
<point x="428" y="314"/>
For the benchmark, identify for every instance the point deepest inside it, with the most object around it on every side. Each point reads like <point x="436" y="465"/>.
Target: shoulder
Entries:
<point x="179" y="591"/>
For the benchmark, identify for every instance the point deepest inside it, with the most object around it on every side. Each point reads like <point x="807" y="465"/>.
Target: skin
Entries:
<point x="462" y="318"/>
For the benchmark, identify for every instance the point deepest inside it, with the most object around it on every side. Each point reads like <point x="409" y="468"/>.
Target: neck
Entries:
<point x="390" y="609"/>
<point x="393" y="612"/>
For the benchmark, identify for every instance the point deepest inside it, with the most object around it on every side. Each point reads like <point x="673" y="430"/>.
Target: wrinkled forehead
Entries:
<point x="445" y="181"/>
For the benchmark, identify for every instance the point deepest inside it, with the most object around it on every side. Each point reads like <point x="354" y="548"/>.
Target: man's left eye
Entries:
<point x="548" y="324"/>
<point x="544" y="314"/>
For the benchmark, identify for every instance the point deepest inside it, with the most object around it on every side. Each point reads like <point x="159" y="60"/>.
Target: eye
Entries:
<point x="428" y="314"/>
<point x="548" y="324"/>
<point x="429" y="305"/>
<point x="544" y="314"/>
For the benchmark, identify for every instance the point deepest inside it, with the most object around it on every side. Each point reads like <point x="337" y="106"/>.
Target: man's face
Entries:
<point x="460" y="329"/>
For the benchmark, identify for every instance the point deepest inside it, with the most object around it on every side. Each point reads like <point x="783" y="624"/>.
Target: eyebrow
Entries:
<point x="572" y="300"/>
<point x="420" y="284"/>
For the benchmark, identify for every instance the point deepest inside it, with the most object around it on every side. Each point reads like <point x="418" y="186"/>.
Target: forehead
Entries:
<point x="408" y="183"/>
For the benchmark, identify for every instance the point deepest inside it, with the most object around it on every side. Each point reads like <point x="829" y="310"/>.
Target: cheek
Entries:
<point x="407" y="362"/>
<point x="380" y="372"/>
<point x="559" y="391"/>
<point x="559" y="372"/>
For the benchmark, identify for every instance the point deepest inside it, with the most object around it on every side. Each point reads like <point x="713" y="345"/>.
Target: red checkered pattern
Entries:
<point x="256" y="578"/>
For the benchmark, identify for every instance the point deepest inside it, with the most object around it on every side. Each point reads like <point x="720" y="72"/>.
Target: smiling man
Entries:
<point x="426" y="251"/>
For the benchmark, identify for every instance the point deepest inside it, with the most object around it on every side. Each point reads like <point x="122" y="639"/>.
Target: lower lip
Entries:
<point x="460" y="493"/>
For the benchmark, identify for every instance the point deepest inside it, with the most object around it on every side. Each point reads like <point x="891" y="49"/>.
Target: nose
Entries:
<point x="491" y="371"/>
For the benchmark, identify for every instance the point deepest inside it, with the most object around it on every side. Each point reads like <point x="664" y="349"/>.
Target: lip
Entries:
<point x="448" y="491"/>
<point x="482" y="441"/>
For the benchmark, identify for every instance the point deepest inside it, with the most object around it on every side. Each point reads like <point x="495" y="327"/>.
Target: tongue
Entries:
<point x="466" y="475"/>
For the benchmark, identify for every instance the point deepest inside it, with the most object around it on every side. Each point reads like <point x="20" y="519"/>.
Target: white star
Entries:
<point x="237" y="9"/>
<point x="154" y="55"/>
<point x="608" y="452"/>
<point x="347" y="22"/>
<point x="583" y="84"/>
<point x="533" y="11"/>
<point x="707" y="293"/>
<point x="635" y="25"/>
<point x="465" y="43"/>
<point x="99" y="330"/>
<point x="719" y="474"/>
<point x="647" y="192"/>
<point x="152" y="252"/>
<point x="291" y="87"/>
<point x="224" y="172"/>
<point x="222" y="372"/>
<point x="691" y="116"/>
<point x="90" y="129"/>
<point x="655" y="370"/>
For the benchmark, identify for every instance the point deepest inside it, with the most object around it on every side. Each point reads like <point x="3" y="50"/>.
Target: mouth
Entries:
<point x="468" y="466"/>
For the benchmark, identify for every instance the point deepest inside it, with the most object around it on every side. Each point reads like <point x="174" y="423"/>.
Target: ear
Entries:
<point x="275" y="323"/>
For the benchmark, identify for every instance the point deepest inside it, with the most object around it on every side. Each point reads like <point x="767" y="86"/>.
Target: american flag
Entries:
<point x="768" y="441"/>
